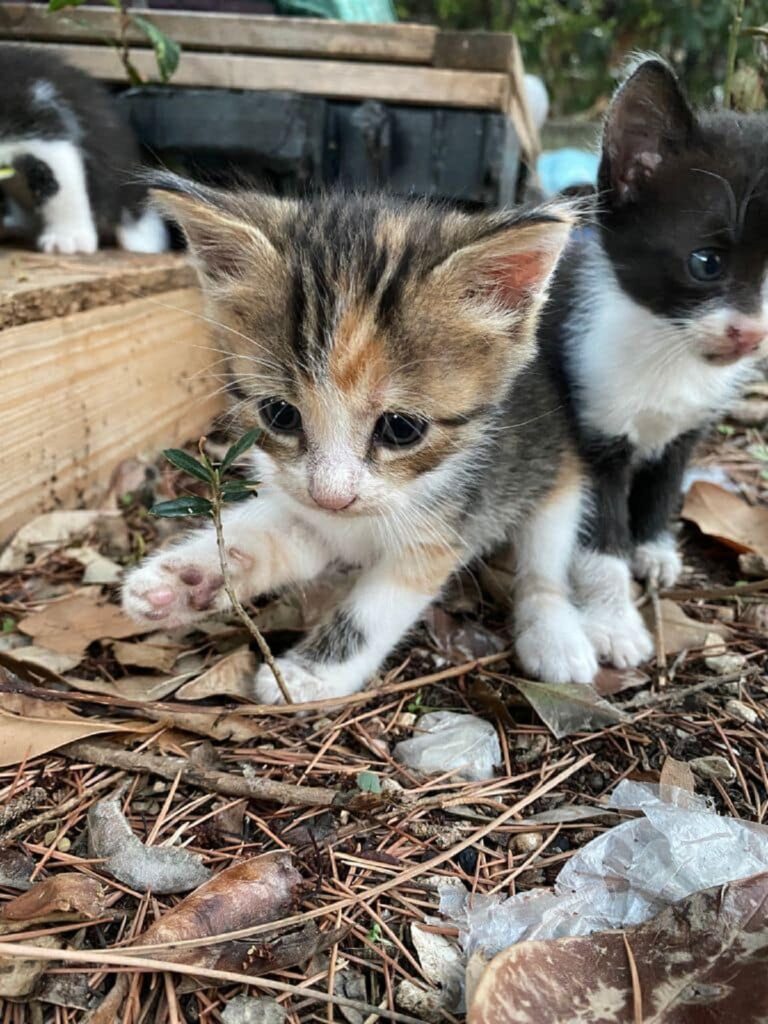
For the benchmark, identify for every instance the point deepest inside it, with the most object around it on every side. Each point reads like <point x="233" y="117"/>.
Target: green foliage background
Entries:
<point x="578" y="46"/>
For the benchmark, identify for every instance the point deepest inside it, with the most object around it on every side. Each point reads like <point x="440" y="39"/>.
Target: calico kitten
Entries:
<point x="74" y="158"/>
<point x="657" y="317"/>
<point x="386" y="349"/>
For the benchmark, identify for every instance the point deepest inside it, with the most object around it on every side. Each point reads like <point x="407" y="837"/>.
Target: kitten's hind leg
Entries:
<point x="550" y="641"/>
<point x="68" y="225"/>
<point x="602" y="589"/>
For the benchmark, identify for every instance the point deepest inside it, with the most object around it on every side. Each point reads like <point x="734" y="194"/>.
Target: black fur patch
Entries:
<point x="40" y="180"/>
<point x="656" y="489"/>
<point x="334" y="641"/>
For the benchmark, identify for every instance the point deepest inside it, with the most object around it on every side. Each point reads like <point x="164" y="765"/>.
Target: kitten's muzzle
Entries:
<point x="741" y="338"/>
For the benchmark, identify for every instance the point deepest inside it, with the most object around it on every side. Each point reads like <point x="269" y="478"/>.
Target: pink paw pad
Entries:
<point x="160" y="597"/>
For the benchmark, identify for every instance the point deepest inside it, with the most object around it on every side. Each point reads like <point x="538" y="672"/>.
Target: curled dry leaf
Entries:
<point x="65" y="897"/>
<point x="41" y="657"/>
<point x="98" y="568"/>
<point x="30" y="727"/>
<point x="139" y="688"/>
<point x="160" y="869"/>
<point x="53" y="530"/>
<point x="19" y="977"/>
<point x="702" y="959"/>
<point x="70" y="624"/>
<point x="566" y="708"/>
<point x="158" y="651"/>
<point x="231" y="676"/>
<point x="727" y="517"/>
<point x="253" y="892"/>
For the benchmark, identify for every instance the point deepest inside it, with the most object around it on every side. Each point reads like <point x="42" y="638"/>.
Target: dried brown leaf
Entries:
<point x="680" y="631"/>
<point x="566" y="708"/>
<point x="161" y="869"/>
<point x="138" y="688"/>
<point x="231" y="676"/>
<point x="66" y="897"/>
<point x="727" y="518"/>
<point x="69" y="625"/>
<point x="158" y="651"/>
<point x="702" y="959"/>
<point x="19" y="977"/>
<point x="30" y="727"/>
<point x="51" y="531"/>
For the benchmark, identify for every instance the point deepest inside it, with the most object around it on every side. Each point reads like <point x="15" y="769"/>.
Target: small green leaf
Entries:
<point x="183" y="461"/>
<point x="8" y="624"/>
<point x="167" y="51"/>
<point x="374" y="935"/>
<point x="6" y="172"/>
<point x="368" y="782"/>
<point x="726" y="429"/>
<point x="238" y="490"/>
<point x="759" y="451"/>
<point x="240" y="447"/>
<point x="59" y="5"/>
<point x="181" y="507"/>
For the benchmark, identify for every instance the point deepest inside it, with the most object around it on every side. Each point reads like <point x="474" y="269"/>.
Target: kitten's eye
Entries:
<point x="396" y="430"/>
<point x="280" y="415"/>
<point x="705" y="265"/>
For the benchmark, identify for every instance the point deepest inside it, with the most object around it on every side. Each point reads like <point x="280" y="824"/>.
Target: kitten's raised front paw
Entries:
<point x="618" y="635"/>
<point x="173" y="591"/>
<point x="304" y="681"/>
<point x="68" y="240"/>
<point x="657" y="561"/>
<point x="555" y="648"/>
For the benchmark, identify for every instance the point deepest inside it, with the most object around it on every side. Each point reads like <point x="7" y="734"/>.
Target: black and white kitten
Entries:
<point x="657" y="317"/>
<point x="74" y="159"/>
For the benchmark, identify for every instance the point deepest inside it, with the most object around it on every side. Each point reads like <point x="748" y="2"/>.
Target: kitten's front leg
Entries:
<point x="550" y="641"/>
<point x="340" y="655"/>
<point x="653" y="501"/>
<point x="184" y="583"/>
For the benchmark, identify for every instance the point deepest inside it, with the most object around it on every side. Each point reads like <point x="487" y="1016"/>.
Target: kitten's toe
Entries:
<point x="555" y="649"/>
<point x="68" y="240"/>
<point x="171" y="591"/>
<point x="619" y="636"/>
<point x="657" y="562"/>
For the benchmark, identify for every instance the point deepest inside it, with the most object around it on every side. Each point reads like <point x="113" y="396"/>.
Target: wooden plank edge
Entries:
<point x="419" y="86"/>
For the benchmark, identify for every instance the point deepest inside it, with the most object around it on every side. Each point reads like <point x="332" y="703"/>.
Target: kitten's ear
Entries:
<point x="648" y="119"/>
<point x="511" y="263"/>
<point x="219" y="227"/>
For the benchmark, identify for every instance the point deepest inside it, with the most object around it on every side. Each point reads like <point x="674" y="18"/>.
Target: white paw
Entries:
<point x="555" y="648"/>
<point x="618" y="634"/>
<point x="658" y="562"/>
<point x="304" y="682"/>
<point x="173" y="590"/>
<point x="80" y="238"/>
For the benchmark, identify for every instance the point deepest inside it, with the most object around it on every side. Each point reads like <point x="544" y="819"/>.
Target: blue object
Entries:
<point x="343" y="10"/>
<point x="559" y="169"/>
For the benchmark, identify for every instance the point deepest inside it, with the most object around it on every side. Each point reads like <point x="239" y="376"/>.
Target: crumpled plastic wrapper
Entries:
<point x="446" y="741"/>
<point x="625" y="876"/>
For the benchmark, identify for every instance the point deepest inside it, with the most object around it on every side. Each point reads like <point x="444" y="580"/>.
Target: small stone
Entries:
<point x="753" y="566"/>
<point x="713" y="767"/>
<point x="726" y="613"/>
<point x="405" y="720"/>
<point x="64" y="845"/>
<point x="738" y="709"/>
<point x="714" y="645"/>
<point x="50" y="837"/>
<point x="526" y="842"/>
<point x="722" y="663"/>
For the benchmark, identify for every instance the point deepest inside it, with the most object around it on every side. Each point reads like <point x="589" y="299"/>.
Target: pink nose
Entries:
<point x="745" y="337"/>
<point x="332" y="501"/>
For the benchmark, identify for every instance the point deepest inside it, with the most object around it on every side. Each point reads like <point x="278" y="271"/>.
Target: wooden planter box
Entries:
<point x="102" y="357"/>
<point x="309" y="102"/>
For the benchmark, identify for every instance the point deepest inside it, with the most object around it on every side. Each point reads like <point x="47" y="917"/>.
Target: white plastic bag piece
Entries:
<point x="625" y="876"/>
<point x="446" y="740"/>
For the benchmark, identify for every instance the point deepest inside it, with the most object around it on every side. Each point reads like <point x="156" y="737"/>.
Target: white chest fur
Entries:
<point x="639" y="375"/>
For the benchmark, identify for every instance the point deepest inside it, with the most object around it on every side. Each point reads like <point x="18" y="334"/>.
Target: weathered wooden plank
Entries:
<point x="298" y="37"/>
<point x="35" y="286"/>
<point x="84" y="391"/>
<point x="334" y="79"/>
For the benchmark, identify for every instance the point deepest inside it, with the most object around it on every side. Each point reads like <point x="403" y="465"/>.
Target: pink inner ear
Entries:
<point x="517" y="276"/>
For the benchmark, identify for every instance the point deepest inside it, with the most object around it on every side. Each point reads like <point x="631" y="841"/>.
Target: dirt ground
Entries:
<point x="93" y="707"/>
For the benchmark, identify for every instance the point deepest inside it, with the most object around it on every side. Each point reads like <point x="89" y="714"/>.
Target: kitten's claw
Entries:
<point x="555" y="649"/>
<point x="657" y="561"/>
<point x="68" y="240"/>
<point x="618" y="635"/>
<point x="172" y="591"/>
